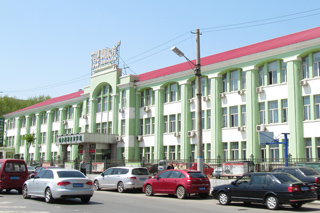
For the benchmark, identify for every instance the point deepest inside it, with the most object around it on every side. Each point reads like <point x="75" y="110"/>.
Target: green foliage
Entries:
<point x="9" y="104"/>
<point x="29" y="140"/>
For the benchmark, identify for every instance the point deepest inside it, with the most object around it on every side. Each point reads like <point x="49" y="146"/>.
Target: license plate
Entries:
<point x="305" y="188"/>
<point x="143" y="178"/>
<point x="202" y="188"/>
<point x="14" y="178"/>
<point x="78" y="185"/>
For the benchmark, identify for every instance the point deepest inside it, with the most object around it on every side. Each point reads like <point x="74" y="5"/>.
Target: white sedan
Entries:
<point x="58" y="183"/>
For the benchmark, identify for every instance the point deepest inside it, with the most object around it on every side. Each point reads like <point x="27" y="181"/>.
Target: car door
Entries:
<point x="33" y="187"/>
<point x="159" y="186"/>
<point x="44" y="181"/>
<point x="105" y="180"/>
<point x="114" y="178"/>
<point x="258" y="187"/>
<point x="173" y="181"/>
<point x="238" y="189"/>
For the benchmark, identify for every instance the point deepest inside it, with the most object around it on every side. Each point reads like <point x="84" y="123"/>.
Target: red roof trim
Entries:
<point x="237" y="53"/>
<point x="52" y="101"/>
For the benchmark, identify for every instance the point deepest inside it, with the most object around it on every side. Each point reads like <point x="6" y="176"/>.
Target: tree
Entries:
<point x="29" y="140"/>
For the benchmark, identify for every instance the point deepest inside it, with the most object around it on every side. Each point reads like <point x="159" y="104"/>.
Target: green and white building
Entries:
<point x="271" y="86"/>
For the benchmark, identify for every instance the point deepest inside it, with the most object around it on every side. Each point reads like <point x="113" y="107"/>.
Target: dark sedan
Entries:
<point x="271" y="189"/>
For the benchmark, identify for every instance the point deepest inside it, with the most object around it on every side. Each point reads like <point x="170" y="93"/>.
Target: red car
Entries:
<point x="179" y="182"/>
<point x="207" y="170"/>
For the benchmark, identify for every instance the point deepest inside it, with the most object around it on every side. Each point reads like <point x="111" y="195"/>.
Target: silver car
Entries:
<point x="121" y="178"/>
<point x="58" y="183"/>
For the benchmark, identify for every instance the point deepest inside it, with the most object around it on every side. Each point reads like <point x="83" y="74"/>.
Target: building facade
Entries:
<point x="271" y="86"/>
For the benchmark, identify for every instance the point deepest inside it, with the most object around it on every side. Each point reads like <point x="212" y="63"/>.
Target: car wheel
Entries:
<point x="223" y="198"/>
<point x="8" y="190"/>
<point x="296" y="205"/>
<point x="203" y="195"/>
<point x="19" y="191"/>
<point x="148" y="190"/>
<point x="120" y="187"/>
<point x="272" y="202"/>
<point x="181" y="192"/>
<point x="96" y="185"/>
<point x="25" y="192"/>
<point x="85" y="199"/>
<point x="48" y="196"/>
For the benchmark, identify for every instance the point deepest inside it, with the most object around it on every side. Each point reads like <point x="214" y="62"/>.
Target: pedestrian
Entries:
<point x="170" y="166"/>
<point x="82" y="166"/>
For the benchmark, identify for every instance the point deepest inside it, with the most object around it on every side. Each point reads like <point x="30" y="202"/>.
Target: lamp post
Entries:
<point x="197" y="71"/>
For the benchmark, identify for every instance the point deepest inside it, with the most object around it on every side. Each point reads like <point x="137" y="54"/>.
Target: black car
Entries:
<point x="271" y="189"/>
<point x="304" y="174"/>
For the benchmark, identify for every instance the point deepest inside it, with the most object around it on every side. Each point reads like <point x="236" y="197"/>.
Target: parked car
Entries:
<point x="179" y="182"/>
<point x="304" y="174"/>
<point x="31" y="169"/>
<point x="217" y="172"/>
<point x="122" y="178"/>
<point x="13" y="173"/>
<point x="39" y="169"/>
<point x="58" y="183"/>
<point x="207" y="170"/>
<point x="272" y="189"/>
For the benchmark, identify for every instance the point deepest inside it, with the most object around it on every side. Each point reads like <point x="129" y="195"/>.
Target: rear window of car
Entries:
<point x="309" y="171"/>
<point x="140" y="171"/>
<point x="285" y="178"/>
<point x="196" y="175"/>
<point x="15" y="167"/>
<point x="70" y="174"/>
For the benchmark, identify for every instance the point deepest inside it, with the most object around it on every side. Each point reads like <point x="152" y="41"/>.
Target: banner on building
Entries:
<point x="1" y="131"/>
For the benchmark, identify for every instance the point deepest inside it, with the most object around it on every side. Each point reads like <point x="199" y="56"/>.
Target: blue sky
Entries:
<point x="45" y="46"/>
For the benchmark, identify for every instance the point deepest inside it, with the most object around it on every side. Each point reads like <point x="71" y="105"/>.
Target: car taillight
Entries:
<point x="63" y="183"/>
<point x="317" y="180"/>
<point x="132" y="178"/>
<point x="293" y="189"/>
<point x="312" y="188"/>
<point x="149" y="177"/>
<point x="89" y="183"/>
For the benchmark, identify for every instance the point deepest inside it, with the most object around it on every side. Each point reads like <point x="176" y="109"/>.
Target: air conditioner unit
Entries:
<point x="139" y="138"/>
<point x="191" y="134"/>
<point x="261" y="128"/>
<point x="84" y="116"/>
<point x="121" y="110"/>
<point x="176" y="134"/>
<point x="64" y="122"/>
<point x="205" y="98"/>
<point x="241" y="92"/>
<point x="222" y="95"/>
<point x="146" y="108"/>
<point x="303" y="82"/>
<point x="191" y="101"/>
<point x="259" y="90"/>
<point x="241" y="128"/>
<point x="118" y="138"/>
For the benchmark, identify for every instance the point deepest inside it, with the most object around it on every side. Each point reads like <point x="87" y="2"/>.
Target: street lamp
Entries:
<point x="197" y="71"/>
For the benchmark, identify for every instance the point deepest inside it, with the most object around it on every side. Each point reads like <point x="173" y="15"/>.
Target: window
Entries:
<point x="209" y="87"/>
<point x="179" y="92"/>
<point x="148" y="130"/>
<point x="243" y="80"/>
<point x="234" y="80"/>
<point x="243" y="115"/>
<point x="285" y="110"/>
<point x="225" y="151"/>
<point x="44" y="118"/>
<point x="261" y="76"/>
<point x="274" y="152"/>
<point x="193" y="120"/>
<point x="172" y="123"/>
<point x="105" y="128"/>
<point x="56" y="115"/>
<point x="316" y="64"/>
<point x="148" y="96"/>
<point x="172" y="154"/>
<point x="263" y="153"/>
<point x="234" y="116"/>
<point x="283" y="72"/>
<point x="317" y="106"/>
<point x="146" y="158"/>
<point x="165" y="119"/>
<point x="273" y="112"/>
<point x="234" y="151"/>
<point x="203" y="85"/>
<point x="244" y="150"/>
<point x="272" y="72"/>
<point x="153" y="120"/>
<point x="308" y="149"/>
<point x="98" y="128"/>
<point x="262" y="113"/>
<point x="224" y="117"/>
<point x="305" y="67"/>
<point x="203" y="119"/>
<point x="179" y="122"/>
<point x="110" y="107"/>
<point x="124" y="98"/>
<point x="193" y="88"/>
<point x="318" y="148"/>
<point x="123" y="127"/>
<point x="110" y="127"/>
<point x="306" y="108"/>
<point x="142" y="99"/>
<point x="99" y="105"/>
<point x="141" y="126"/>
<point x="69" y="112"/>
<point x="166" y="91"/>
<point x="173" y="92"/>
<point x="224" y="83"/>
<point x="209" y="118"/>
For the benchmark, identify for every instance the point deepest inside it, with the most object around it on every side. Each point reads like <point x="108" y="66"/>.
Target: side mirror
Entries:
<point x="102" y="174"/>
<point x="233" y="182"/>
<point x="32" y="176"/>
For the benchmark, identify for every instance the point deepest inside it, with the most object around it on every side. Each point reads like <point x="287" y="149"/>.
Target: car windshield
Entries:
<point x="309" y="171"/>
<point x="70" y="174"/>
<point x="140" y="171"/>
<point x="285" y="178"/>
<point x="196" y="175"/>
